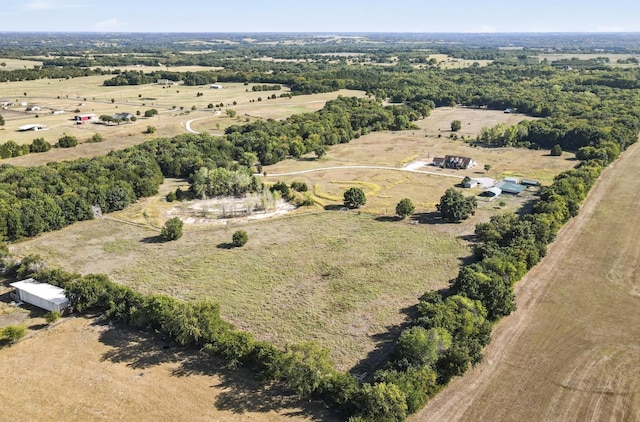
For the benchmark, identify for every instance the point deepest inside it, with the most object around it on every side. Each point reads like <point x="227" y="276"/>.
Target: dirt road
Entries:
<point x="571" y="352"/>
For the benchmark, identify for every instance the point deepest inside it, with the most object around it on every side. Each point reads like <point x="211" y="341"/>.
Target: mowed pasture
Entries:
<point x="174" y="104"/>
<point x="339" y="278"/>
<point x="395" y="150"/>
<point x="570" y="352"/>
<point x="17" y="64"/>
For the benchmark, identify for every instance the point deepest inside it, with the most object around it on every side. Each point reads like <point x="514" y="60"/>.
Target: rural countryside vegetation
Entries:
<point x="587" y="108"/>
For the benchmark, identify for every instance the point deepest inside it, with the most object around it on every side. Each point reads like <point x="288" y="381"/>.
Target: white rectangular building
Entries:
<point x="42" y="295"/>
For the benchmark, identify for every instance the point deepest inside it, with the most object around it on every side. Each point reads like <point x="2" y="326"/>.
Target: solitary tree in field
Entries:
<point x="172" y="229"/>
<point x="487" y="167"/>
<point x="1" y="121"/>
<point x="354" y="198"/>
<point x="405" y="208"/>
<point x="455" y="207"/>
<point x="239" y="238"/>
<point x="456" y="125"/>
<point x="150" y="113"/>
<point x="556" y="151"/>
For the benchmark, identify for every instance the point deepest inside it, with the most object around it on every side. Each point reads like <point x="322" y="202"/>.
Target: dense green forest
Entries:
<point x="592" y="110"/>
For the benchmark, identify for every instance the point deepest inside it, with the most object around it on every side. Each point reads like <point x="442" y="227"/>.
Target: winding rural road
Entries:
<point x="187" y="125"/>
<point x="570" y="352"/>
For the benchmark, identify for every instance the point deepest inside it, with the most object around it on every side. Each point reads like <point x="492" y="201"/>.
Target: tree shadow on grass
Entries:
<point x="388" y="218"/>
<point x="153" y="239"/>
<point x="432" y="217"/>
<point x="336" y="207"/>
<point x="139" y="350"/>
<point x="242" y="393"/>
<point x="225" y="245"/>
<point x="239" y="391"/>
<point x="35" y="327"/>
<point x="385" y="346"/>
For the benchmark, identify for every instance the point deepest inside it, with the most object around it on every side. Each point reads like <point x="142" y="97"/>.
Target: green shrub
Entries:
<point x="13" y="333"/>
<point x="67" y="141"/>
<point x="239" y="238"/>
<point x="52" y="317"/>
<point x="172" y="229"/>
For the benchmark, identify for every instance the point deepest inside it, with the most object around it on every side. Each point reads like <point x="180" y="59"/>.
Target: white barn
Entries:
<point x="42" y="295"/>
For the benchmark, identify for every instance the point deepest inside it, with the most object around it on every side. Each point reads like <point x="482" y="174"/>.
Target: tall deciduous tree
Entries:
<point x="354" y="198"/>
<point x="455" y="207"/>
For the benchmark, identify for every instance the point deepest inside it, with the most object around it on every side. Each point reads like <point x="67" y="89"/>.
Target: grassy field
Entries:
<point x="570" y="352"/>
<point x="82" y="370"/>
<point x="357" y="276"/>
<point x="359" y="271"/>
<point x="15" y="64"/>
<point x="613" y="58"/>
<point x="385" y="188"/>
<point x="174" y="104"/>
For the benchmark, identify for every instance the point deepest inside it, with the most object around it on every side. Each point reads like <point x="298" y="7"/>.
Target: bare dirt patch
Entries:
<point x="570" y="352"/>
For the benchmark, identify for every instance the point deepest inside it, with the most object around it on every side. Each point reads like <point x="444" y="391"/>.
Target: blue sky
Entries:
<point x="321" y="16"/>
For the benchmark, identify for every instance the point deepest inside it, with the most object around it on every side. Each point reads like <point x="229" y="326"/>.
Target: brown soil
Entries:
<point x="570" y="352"/>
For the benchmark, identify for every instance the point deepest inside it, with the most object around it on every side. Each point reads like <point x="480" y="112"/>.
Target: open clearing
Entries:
<point x="174" y="104"/>
<point x="81" y="370"/>
<point x="570" y="352"/>
<point x="352" y="287"/>
<point x="360" y="274"/>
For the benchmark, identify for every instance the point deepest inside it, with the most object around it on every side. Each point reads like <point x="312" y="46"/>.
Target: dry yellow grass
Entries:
<point x="87" y="95"/>
<point x="81" y="370"/>
<point x="15" y="64"/>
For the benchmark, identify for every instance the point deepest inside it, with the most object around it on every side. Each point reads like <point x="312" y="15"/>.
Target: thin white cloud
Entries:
<point x="610" y="29"/>
<point x="487" y="28"/>
<point x="109" y="25"/>
<point x="50" y="5"/>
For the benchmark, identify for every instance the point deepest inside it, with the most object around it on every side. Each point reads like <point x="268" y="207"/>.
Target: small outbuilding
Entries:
<point x="492" y="192"/>
<point x="34" y="126"/>
<point x="83" y="118"/>
<point x="215" y="86"/>
<point x="472" y="183"/>
<point x="530" y="182"/>
<point x="42" y="295"/>
<point x="512" y="188"/>
<point x="512" y="180"/>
